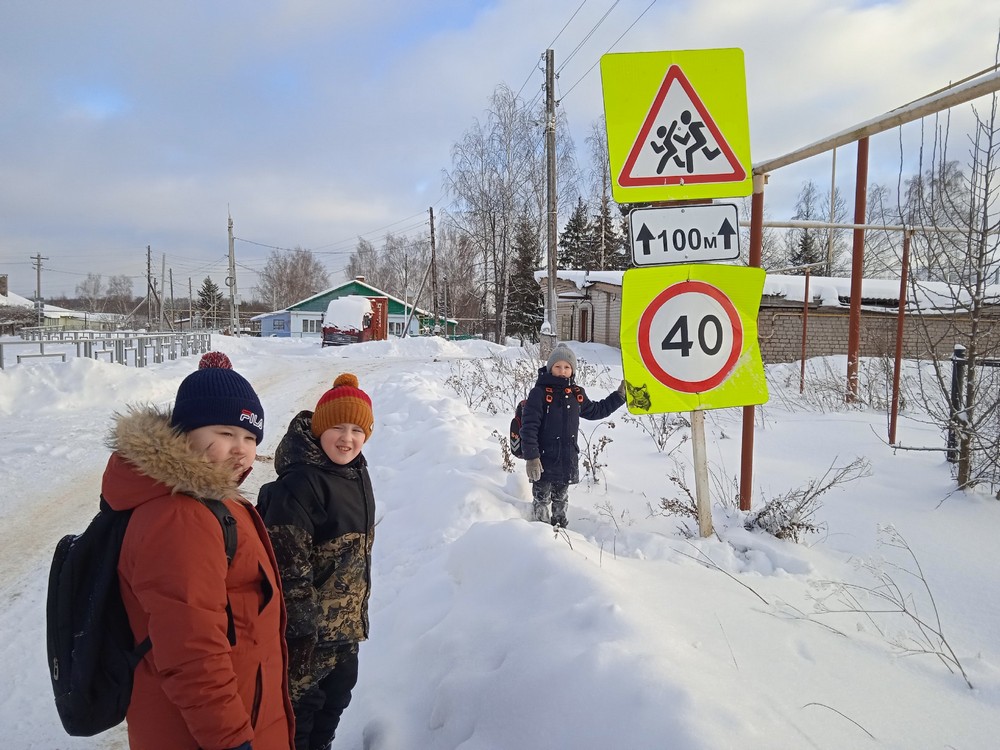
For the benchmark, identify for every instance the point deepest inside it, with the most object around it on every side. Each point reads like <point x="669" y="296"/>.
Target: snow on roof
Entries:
<point x="347" y="312"/>
<point x="15" y="300"/>
<point x="53" y="311"/>
<point x="376" y="292"/>
<point x="583" y="279"/>
<point x="264" y="316"/>
<point x="830" y="291"/>
<point x="925" y="295"/>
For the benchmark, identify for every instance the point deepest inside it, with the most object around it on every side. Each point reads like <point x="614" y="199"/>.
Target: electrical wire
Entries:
<point x="615" y="44"/>
<point x="587" y="37"/>
<point x="354" y="238"/>
<point x="538" y="67"/>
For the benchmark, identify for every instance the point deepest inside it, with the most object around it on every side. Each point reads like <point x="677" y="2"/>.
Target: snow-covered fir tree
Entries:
<point x="575" y="239"/>
<point x="804" y="245"/>
<point x="524" y="304"/>
<point x="607" y="243"/>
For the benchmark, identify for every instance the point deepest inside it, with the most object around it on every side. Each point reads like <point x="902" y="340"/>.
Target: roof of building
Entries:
<point x="827" y="291"/>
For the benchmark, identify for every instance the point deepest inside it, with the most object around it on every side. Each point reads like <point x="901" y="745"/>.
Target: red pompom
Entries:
<point x="215" y="359"/>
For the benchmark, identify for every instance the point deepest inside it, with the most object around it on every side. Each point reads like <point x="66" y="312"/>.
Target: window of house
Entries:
<point x="278" y="325"/>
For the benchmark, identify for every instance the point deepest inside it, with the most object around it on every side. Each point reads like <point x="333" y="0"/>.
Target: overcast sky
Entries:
<point x="126" y="124"/>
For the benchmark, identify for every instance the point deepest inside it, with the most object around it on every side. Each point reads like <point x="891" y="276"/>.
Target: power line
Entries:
<point x="354" y="238"/>
<point x="614" y="44"/>
<point x="408" y="218"/>
<point x="567" y="24"/>
<point x="587" y="37"/>
<point x="536" y="68"/>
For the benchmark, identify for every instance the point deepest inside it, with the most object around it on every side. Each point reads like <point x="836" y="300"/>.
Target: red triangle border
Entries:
<point x="625" y="179"/>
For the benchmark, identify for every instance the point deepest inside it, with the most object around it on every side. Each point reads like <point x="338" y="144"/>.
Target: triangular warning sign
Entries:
<point x="679" y="142"/>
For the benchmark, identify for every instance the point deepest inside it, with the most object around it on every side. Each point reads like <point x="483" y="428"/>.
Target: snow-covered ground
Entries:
<point x="490" y="632"/>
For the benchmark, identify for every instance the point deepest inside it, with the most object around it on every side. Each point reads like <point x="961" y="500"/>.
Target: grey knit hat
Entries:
<point x="561" y="353"/>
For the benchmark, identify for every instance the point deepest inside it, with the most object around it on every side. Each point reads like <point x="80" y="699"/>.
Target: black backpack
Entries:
<point x="92" y="652"/>
<point x="515" y="430"/>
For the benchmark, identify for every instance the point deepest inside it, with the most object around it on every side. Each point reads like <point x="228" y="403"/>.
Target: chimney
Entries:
<point x="3" y="285"/>
<point x="359" y="278"/>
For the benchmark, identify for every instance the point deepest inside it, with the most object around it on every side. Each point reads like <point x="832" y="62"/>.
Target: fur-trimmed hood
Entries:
<point x="147" y="448"/>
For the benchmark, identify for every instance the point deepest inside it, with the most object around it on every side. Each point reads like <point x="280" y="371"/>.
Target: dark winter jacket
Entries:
<point x="551" y="422"/>
<point x="321" y="517"/>
<point x="193" y="689"/>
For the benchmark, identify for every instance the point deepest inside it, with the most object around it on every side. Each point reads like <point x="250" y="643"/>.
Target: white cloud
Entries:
<point x="319" y="119"/>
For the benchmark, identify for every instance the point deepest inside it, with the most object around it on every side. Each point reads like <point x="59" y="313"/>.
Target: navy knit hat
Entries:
<point x="216" y="394"/>
<point x="561" y="353"/>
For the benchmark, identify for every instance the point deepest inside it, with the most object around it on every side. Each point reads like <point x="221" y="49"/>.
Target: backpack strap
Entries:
<point x="228" y="524"/>
<point x="141" y="649"/>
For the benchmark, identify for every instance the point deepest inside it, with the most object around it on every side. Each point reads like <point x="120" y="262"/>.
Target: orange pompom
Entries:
<point x="348" y="378"/>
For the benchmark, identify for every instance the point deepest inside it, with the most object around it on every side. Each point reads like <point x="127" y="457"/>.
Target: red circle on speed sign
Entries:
<point x="690" y="337"/>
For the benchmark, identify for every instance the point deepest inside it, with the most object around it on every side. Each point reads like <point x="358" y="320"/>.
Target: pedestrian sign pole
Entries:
<point x="678" y="138"/>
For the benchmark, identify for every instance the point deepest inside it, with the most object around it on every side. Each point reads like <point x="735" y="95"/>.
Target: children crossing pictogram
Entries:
<point x="679" y="141"/>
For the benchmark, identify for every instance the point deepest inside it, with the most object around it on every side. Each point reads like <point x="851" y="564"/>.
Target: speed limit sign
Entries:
<point x="689" y="336"/>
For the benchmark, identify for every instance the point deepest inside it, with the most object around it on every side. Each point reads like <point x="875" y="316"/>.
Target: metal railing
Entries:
<point x="129" y="349"/>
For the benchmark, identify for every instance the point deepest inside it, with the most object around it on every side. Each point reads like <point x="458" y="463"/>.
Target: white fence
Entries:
<point x="116" y="347"/>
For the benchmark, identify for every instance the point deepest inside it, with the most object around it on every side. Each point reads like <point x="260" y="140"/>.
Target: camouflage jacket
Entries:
<point x="321" y="518"/>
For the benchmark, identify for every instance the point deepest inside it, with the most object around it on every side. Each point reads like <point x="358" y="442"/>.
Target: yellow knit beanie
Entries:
<point x="345" y="403"/>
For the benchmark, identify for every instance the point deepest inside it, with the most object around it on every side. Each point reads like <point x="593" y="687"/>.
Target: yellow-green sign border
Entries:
<point x="746" y="385"/>
<point x="630" y="82"/>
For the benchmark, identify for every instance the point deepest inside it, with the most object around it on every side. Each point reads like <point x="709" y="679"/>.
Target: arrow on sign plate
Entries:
<point x="726" y="231"/>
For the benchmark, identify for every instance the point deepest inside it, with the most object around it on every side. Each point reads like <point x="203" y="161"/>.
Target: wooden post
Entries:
<point x="701" y="491"/>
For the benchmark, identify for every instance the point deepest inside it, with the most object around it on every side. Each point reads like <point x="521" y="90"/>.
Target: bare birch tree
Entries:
<point x="91" y="292"/>
<point x="963" y="263"/>
<point x="498" y="175"/>
<point x="290" y="276"/>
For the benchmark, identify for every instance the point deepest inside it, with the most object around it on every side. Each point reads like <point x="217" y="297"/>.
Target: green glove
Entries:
<point x="534" y="469"/>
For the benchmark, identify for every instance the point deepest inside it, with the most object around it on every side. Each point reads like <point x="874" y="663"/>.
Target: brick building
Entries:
<point x="588" y="308"/>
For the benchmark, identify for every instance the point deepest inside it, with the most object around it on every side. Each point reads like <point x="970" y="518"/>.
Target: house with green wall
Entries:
<point x="304" y="319"/>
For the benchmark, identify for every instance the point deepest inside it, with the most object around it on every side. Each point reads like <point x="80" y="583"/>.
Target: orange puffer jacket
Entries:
<point x="194" y="690"/>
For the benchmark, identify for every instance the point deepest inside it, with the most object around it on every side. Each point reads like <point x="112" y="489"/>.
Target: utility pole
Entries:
<point x="149" y="287"/>
<point x="163" y="287"/>
<point x="406" y="287"/>
<point x="39" y="307"/>
<point x="234" y="311"/>
<point x="434" y="274"/>
<point x="190" y="305"/>
<point x="173" y="314"/>
<point x="548" y="338"/>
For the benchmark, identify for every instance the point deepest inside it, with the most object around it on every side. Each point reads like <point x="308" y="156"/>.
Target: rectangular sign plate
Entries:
<point x="684" y="234"/>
